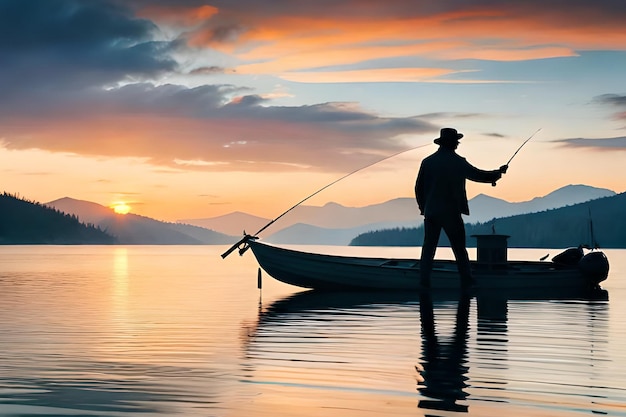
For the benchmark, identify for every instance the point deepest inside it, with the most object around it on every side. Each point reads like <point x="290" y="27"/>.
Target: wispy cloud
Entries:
<point x="600" y="144"/>
<point x="615" y="101"/>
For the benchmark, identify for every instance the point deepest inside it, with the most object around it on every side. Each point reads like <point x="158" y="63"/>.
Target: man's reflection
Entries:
<point x="443" y="373"/>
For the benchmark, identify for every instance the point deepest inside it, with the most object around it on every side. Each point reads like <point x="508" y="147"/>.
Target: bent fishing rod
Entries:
<point x="493" y="184"/>
<point x="247" y="237"/>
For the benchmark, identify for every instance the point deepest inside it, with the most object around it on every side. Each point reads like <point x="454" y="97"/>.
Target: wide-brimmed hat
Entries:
<point x="448" y="135"/>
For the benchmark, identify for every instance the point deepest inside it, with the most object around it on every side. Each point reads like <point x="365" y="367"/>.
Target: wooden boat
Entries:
<point x="572" y="269"/>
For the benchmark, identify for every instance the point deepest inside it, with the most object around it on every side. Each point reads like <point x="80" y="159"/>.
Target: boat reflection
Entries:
<point x="364" y="341"/>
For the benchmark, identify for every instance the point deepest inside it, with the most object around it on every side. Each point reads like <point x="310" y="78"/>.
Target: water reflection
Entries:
<point x="120" y="284"/>
<point x="111" y="389"/>
<point x="112" y="331"/>
<point x="463" y="350"/>
<point x="94" y="331"/>
<point x="444" y="363"/>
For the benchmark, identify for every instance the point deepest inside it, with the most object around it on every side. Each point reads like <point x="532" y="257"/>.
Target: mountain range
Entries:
<point x="334" y="224"/>
<point x="331" y="224"/>
<point x="595" y="223"/>
<point x="132" y="229"/>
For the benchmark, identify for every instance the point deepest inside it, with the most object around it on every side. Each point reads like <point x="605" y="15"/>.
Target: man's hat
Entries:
<point x="448" y="135"/>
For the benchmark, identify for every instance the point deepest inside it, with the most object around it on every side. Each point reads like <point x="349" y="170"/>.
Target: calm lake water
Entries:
<point x="176" y="330"/>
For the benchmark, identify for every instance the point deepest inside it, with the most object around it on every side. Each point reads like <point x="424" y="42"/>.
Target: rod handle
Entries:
<point x="236" y="245"/>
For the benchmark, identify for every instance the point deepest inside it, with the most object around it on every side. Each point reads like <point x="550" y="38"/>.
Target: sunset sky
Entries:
<point x="187" y="109"/>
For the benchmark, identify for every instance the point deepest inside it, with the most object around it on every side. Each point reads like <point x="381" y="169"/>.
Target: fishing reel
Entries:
<point x="242" y="245"/>
<point x="245" y="245"/>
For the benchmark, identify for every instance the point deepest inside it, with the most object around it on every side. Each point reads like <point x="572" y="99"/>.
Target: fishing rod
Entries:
<point x="518" y="149"/>
<point x="247" y="237"/>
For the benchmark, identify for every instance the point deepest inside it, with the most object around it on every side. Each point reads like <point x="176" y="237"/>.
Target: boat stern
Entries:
<point x="594" y="266"/>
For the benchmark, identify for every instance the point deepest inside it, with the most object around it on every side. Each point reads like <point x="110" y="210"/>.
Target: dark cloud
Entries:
<point x="388" y="8"/>
<point x="612" y="99"/>
<point x="59" y="44"/>
<point x="449" y="115"/>
<point x="67" y="24"/>
<point x="169" y="99"/>
<point x="615" y="101"/>
<point x="163" y="3"/>
<point x="215" y="102"/>
<point x="603" y="144"/>
<point x="241" y="15"/>
<point x="214" y="69"/>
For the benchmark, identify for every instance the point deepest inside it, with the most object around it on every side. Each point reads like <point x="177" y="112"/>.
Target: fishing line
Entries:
<point x="518" y="149"/>
<point x="248" y="237"/>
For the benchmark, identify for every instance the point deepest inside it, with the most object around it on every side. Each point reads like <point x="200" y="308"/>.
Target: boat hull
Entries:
<point x="330" y="272"/>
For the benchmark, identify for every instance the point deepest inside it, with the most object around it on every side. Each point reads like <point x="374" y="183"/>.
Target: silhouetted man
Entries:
<point x="442" y="199"/>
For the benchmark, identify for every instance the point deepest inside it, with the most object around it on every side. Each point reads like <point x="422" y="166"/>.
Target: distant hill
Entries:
<point x="28" y="222"/>
<point x="133" y="229"/>
<point x="329" y="216"/>
<point x="337" y="216"/>
<point x="555" y="228"/>
<point x="232" y="224"/>
<point x="305" y="234"/>
<point x="332" y="224"/>
<point x="483" y="207"/>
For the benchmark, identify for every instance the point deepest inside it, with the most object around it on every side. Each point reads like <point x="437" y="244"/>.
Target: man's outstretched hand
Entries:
<point x="502" y="170"/>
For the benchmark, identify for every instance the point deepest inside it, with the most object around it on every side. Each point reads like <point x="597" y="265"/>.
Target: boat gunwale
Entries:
<point x="518" y="266"/>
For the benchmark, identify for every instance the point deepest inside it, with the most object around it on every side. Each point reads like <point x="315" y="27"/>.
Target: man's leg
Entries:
<point x="455" y="229"/>
<point x="432" y="230"/>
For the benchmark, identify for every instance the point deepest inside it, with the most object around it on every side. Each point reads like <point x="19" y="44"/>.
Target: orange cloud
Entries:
<point x="290" y="56"/>
<point x="373" y="75"/>
<point x="504" y="55"/>
<point x="277" y="44"/>
<point x="249" y="139"/>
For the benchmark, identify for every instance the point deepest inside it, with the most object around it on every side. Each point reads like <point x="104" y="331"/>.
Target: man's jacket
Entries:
<point x="440" y="185"/>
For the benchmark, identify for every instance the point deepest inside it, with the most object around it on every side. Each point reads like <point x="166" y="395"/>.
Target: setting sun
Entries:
<point x="120" y="207"/>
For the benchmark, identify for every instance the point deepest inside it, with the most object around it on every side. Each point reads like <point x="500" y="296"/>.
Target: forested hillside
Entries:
<point x="566" y="226"/>
<point x="28" y="222"/>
